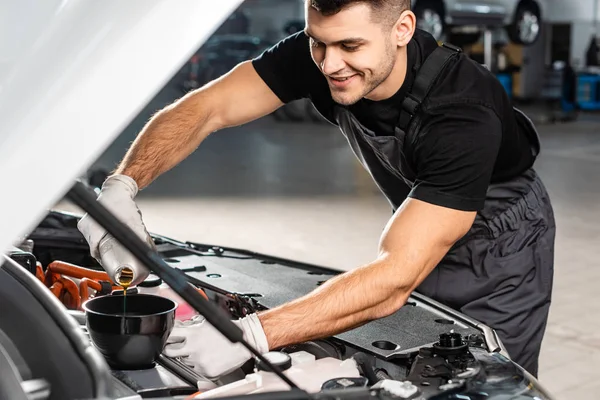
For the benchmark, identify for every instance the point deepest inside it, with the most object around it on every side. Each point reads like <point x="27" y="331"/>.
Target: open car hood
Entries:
<point x="73" y="74"/>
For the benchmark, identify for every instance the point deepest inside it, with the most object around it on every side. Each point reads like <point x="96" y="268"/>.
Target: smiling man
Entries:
<point x="472" y="226"/>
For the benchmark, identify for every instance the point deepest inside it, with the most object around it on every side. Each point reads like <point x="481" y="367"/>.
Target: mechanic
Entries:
<point x="473" y="226"/>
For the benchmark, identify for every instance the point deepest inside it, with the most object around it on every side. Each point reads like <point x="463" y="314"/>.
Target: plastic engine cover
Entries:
<point x="305" y="371"/>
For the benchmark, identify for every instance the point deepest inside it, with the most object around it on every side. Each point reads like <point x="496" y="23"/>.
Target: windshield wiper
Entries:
<point x="85" y="198"/>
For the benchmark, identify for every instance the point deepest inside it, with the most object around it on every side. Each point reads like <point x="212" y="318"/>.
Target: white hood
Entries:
<point x="73" y="74"/>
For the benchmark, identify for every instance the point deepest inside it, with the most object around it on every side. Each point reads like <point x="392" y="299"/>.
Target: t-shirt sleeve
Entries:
<point x="455" y="155"/>
<point x="287" y="67"/>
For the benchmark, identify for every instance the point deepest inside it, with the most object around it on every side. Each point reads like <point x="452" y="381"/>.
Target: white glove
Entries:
<point x="117" y="194"/>
<point x="211" y="354"/>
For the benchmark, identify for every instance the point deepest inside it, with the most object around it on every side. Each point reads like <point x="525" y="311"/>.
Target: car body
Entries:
<point x="93" y="84"/>
<point x="521" y="18"/>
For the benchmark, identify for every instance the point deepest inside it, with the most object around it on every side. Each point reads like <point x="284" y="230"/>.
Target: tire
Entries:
<point x="527" y="23"/>
<point x="430" y="17"/>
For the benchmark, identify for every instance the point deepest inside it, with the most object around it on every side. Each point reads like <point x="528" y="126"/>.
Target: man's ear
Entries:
<point x="404" y="28"/>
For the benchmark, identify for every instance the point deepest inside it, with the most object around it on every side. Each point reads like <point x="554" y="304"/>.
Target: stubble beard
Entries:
<point x="372" y="82"/>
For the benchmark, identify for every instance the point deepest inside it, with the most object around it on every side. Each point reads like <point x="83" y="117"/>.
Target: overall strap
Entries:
<point x="426" y="76"/>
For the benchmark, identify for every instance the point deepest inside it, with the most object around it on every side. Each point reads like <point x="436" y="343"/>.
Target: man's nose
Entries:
<point x="332" y="62"/>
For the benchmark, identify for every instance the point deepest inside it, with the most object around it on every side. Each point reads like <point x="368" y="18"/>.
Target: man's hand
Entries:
<point x="415" y="240"/>
<point x="211" y="354"/>
<point x="117" y="194"/>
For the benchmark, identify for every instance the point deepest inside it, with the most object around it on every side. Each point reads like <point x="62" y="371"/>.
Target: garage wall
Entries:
<point x="569" y="10"/>
<point x="581" y="35"/>
<point x="270" y="16"/>
<point x="582" y="14"/>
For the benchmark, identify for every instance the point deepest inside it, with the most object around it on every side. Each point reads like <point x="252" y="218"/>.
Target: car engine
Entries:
<point x="423" y="351"/>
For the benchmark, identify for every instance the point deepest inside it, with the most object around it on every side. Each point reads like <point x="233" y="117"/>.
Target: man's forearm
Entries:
<point x="347" y="301"/>
<point x="168" y="138"/>
<point x="414" y="241"/>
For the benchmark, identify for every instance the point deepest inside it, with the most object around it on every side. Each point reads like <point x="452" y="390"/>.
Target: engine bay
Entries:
<point x="424" y="350"/>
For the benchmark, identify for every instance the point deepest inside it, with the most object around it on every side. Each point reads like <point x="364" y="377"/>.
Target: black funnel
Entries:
<point x="133" y="340"/>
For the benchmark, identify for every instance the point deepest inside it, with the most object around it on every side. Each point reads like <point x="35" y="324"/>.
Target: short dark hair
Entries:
<point x="383" y="10"/>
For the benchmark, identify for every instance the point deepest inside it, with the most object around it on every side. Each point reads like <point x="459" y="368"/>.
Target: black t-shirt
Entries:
<point x="468" y="136"/>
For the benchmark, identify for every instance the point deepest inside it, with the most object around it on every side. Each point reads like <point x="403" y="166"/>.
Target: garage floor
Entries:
<point x="296" y="191"/>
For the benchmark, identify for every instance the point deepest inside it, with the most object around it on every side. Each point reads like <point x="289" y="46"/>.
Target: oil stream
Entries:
<point x="124" y="279"/>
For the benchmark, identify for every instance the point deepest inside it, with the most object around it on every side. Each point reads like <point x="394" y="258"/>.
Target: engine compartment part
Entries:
<point x="403" y="390"/>
<point x="426" y="346"/>
<point x="73" y="285"/>
<point x="23" y="256"/>
<point x="301" y="367"/>
<point x="254" y="283"/>
<point x="153" y="285"/>
<point x="443" y="363"/>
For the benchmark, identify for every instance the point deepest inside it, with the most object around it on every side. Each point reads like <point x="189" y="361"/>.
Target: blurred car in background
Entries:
<point x="521" y="19"/>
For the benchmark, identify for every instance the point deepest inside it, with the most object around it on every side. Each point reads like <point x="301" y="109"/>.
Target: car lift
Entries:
<point x="487" y="47"/>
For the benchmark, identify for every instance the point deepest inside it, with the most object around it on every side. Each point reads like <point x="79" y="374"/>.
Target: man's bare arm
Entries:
<point x="413" y="243"/>
<point x="177" y="130"/>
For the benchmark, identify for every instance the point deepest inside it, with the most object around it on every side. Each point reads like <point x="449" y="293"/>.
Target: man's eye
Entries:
<point x="350" y="48"/>
<point x="314" y="43"/>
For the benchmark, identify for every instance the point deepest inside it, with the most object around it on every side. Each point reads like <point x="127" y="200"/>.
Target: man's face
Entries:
<point x="355" y="53"/>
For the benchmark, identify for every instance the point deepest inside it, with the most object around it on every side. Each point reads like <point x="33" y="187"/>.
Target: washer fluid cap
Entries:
<point x="279" y="359"/>
<point x="400" y="389"/>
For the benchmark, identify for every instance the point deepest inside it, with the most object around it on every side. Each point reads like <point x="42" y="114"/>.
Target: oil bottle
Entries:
<point x="116" y="259"/>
